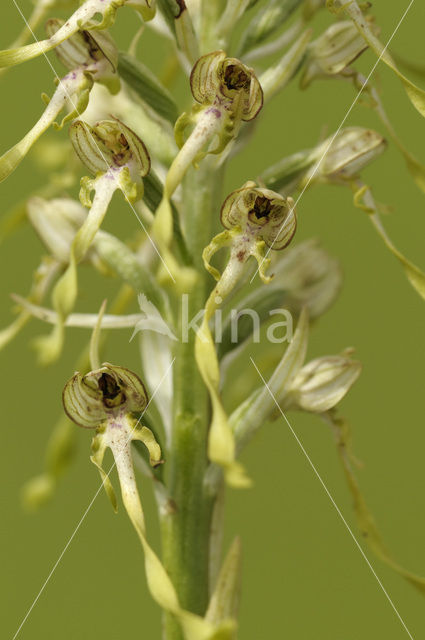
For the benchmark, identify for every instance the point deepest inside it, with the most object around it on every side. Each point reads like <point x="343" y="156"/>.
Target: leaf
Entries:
<point x="147" y="86"/>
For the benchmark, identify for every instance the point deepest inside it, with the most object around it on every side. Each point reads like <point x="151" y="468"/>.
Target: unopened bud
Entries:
<point x="349" y="153"/>
<point x="322" y="383"/>
<point x="333" y="52"/>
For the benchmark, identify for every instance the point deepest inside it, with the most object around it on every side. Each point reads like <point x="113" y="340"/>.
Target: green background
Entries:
<point x="303" y="575"/>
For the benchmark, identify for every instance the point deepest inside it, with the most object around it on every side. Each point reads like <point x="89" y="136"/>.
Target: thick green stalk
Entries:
<point x="186" y="531"/>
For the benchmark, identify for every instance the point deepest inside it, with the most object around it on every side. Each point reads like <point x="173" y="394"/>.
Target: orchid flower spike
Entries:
<point x="90" y="57"/>
<point x="119" y="160"/>
<point x="82" y="18"/>
<point x="226" y="93"/>
<point x="254" y="218"/>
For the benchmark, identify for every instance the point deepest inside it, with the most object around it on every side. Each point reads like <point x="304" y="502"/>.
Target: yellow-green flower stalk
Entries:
<point x="89" y="57"/>
<point x="119" y="160"/>
<point x="82" y="18"/>
<point x="226" y="93"/>
<point x="112" y="400"/>
<point x="254" y="218"/>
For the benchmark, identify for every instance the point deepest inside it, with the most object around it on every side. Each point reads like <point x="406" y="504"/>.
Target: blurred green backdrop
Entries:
<point x="303" y="576"/>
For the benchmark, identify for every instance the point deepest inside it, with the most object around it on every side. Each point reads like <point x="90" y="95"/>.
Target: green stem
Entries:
<point x="186" y="530"/>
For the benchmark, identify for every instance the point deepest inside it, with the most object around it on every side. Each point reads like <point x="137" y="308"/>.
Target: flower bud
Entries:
<point x="322" y="383"/>
<point x="102" y="395"/>
<point x="262" y="214"/>
<point x="334" y="51"/>
<point x="351" y="150"/>
<point x="217" y="80"/>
